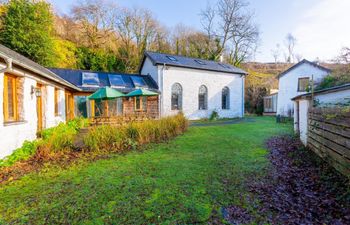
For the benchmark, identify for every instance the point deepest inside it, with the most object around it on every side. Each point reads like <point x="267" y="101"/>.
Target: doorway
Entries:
<point x="39" y="106"/>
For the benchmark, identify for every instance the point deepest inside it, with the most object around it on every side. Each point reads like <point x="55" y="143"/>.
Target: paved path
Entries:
<point x="221" y="122"/>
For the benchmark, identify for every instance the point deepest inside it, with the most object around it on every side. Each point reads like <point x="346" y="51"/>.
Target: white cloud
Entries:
<point x="323" y="29"/>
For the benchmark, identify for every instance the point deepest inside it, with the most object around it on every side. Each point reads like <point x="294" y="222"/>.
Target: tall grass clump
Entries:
<point x="125" y="137"/>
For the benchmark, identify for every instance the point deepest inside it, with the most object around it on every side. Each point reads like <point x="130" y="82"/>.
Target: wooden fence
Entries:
<point x="329" y="136"/>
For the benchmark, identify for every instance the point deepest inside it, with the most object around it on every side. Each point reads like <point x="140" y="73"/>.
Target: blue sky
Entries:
<point x="320" y="26"/>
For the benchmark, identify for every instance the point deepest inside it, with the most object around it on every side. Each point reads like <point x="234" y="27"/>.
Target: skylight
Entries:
<point x="138" y="81"/>
<point x="172" y="58"/>
<point x="116" y="80"/>
<point x="199" y="61"/>
<point x="90" y="79"/>
<point x="225" y="66"/>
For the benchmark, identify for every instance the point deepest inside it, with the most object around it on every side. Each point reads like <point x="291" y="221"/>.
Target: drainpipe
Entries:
<point x="161" y="90"/>
<point x="242" y="96"/>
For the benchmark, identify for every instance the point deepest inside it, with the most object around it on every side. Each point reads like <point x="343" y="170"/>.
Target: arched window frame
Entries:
<point x="225" y="98"/>
<point x="203" y="98"/>
<point x="176" y="96"/>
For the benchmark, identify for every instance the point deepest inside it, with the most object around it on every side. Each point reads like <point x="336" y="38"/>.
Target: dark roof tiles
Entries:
<point x="193" y="63"/>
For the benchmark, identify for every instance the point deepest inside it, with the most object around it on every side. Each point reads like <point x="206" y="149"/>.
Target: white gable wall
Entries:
<point x="191" y="80"/>
<point x="12" y="135"/>
<point x="288" y="86"/>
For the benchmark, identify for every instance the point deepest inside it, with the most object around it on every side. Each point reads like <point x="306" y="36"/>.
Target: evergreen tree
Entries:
<point x="26" y="27"/>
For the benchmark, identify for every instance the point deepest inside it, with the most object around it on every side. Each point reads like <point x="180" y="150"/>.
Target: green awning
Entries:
<point x="106" y="93"/>
<point x="141" y="92"/>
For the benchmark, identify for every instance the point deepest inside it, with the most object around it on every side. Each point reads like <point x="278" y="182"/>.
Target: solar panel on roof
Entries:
<point x="90" y="79"/>
<point x="225" y="66"/>
<point x="200" y="62"/>
<point x="116" y="80"/>
<point x="138" y="81"/>
<point x="172" y="58"/>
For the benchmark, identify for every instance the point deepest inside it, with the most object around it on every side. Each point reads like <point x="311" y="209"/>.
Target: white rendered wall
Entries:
<point x="13" y="135"/>
<point x="303" y="120"/>
<point x="191" y="80"/>
<point x="288" y="86"/>
<point x="342" y="96"/>
<point x="149" y="68"/>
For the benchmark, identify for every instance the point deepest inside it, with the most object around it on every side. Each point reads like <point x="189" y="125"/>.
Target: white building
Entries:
<point x="32" y="98"/>
<point x="295" y="81"/>
<point x="194" y="86"/>
<point x="339" y="95"/>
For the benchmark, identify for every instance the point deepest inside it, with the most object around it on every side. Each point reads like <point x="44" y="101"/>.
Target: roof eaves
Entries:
<point x="301" y="62"/>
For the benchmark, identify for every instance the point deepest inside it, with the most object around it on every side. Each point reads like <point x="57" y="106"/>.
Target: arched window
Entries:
<point x="203" y="98"/>
<point x="176" y="97"/>
<point x="225" y="99"/>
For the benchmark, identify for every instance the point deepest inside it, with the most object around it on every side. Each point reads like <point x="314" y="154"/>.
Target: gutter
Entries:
<point x="9" y="68"/>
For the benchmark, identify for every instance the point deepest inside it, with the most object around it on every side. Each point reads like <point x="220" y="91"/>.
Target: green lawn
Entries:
<point x="185" y="181"/>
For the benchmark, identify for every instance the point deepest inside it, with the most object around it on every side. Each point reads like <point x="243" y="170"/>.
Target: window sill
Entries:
<point x="13" y="123"/>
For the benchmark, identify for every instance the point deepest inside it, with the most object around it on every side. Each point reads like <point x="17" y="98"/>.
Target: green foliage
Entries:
<point x="214" y="115"/>
<point x="27" y="28"/>
<point x="184" y="181"/>
<point x="97" y="60"/>
<point x="65" y="54"/>
<point x="339" y="76"/>
<point x="26" y="151"/>
<point x="55" y="138"/>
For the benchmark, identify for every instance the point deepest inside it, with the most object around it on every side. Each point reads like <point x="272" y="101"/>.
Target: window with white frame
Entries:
<point x="225" y="98"/>
<point x="176" y="97"/>
<point x="203" y="98"/>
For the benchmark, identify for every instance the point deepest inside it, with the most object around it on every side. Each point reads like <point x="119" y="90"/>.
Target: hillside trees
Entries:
<point x="27" y="27"/>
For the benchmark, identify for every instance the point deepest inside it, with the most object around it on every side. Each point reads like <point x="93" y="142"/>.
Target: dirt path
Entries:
<point x="299" y="189"/>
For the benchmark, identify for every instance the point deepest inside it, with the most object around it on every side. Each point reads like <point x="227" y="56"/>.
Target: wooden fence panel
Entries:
<point x="329" y="136"/>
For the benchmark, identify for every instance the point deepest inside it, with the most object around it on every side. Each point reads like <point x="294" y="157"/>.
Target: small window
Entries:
<point x="203" y="98"/>
<point x="176" y="97"/>
<point x="116" y="80"/>
<point x="57" y="96"/>
<point x="303" y="84"/>
<point x="10" y="98"/>
<point x="90" y="79"/>
<point x="199" y="62"/>
<point x="225" y="98"/>
<point x="172" y="58"/>
<point x="140" y="103"/>
<point x="138" y="81"/>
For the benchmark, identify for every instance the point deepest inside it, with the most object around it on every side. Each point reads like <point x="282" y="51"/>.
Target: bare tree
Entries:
<point x="344" y="56"/>
<point x="298" y="57"/>
<point x="276" y="53"/>
<point x="290" y="42"/>
<point x="95" y="18"/>
<point x="230" y="28"/>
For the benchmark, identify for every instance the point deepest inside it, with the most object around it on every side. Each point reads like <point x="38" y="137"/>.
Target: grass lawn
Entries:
<point x="185" y="181"/>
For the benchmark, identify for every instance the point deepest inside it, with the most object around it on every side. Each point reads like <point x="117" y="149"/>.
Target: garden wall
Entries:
<point x="329" y="136"/>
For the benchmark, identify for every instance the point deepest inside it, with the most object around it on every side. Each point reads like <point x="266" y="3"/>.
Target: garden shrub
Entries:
<point x="26" y="151"/>
<point x="214" y="115"/>
<point x="125" y="137"/>
<point x="52" y="140"/>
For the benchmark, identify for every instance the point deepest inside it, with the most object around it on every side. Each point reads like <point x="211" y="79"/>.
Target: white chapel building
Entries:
<point x="194" y="86"/>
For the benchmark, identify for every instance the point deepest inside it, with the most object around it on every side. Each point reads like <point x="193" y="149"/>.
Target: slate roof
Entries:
<point x="324" y="91"/>
<point x="193" y="63"/>
<point x="302" y="62"/>
<point x="75" y="78"/>
<point x="30" y="65"/>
